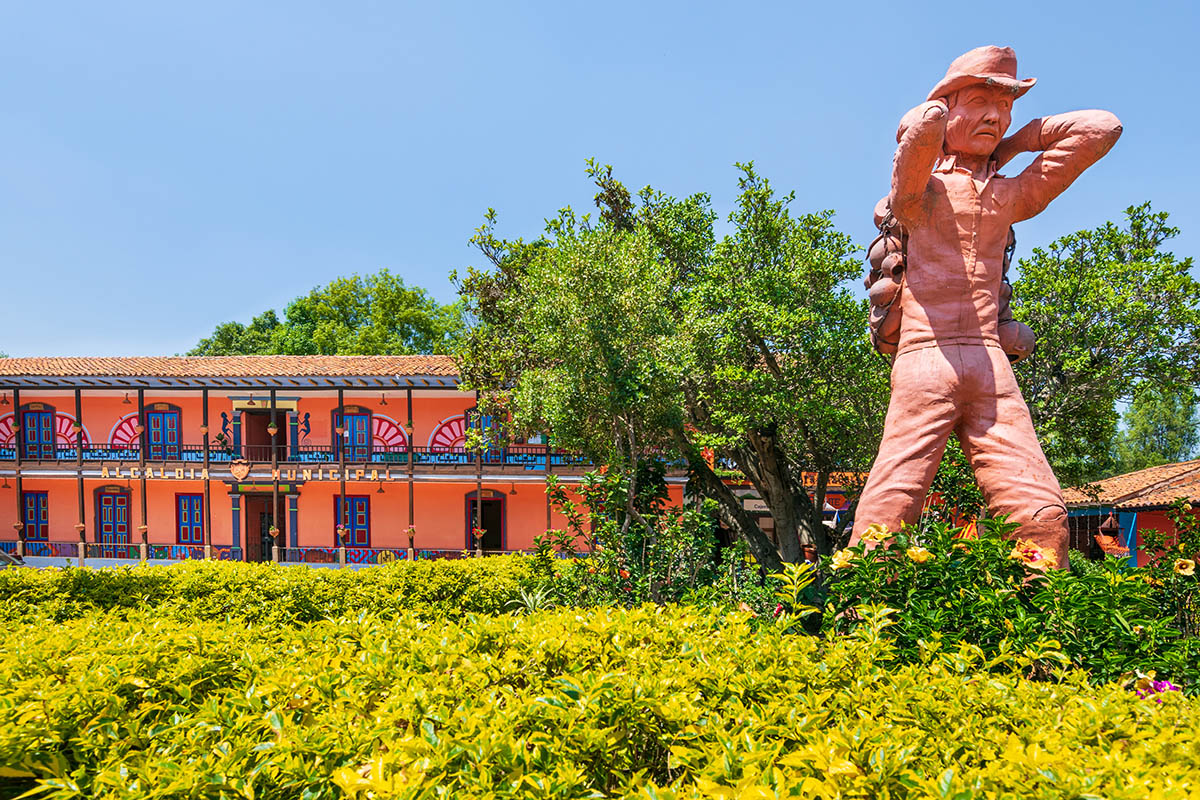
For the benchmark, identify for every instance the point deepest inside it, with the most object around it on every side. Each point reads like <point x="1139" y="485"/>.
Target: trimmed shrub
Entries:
<point x="267" y="593"/>
<point x="652" y="702"/>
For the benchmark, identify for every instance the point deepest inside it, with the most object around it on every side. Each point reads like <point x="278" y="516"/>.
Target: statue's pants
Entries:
<point x="968" y="389"/>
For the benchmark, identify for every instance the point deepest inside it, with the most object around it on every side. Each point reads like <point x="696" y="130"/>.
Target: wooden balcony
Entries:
<point x="514" y="459"/>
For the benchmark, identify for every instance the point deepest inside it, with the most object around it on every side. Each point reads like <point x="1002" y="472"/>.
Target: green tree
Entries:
<point x="1115" y="315"/>
<point x="372" y="315"/>
<point x="1161" y="426"/>
<point x="639" y="336"/>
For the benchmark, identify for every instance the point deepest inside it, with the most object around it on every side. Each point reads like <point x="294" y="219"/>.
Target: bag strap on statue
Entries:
<point x="886" y="278"/>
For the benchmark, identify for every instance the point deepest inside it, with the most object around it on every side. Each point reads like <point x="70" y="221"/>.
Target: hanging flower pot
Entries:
<point x="139" y="428"/>
<point x="203" y="430"/>
<point x="272" y="429"/>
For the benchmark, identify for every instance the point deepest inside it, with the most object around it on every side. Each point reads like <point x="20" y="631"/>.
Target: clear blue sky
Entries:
<point x="165" y="167"/>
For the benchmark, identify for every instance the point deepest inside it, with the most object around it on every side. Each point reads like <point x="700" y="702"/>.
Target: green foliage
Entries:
<point x="1109" y="620"/>
<point x="738" y="581"/>
<point x="792" y="592"/>
<point x="267" y="593"/>
<point x="1170" y="558"/>
<point x="1115" y="314"/>
<point x="643" y="336"/>
<point x="666" y="556"/>
<point x="372" y="315"/>
<point x="1161" y="426"/>
<point x="956" y="487"/>
<point x="648" y="702"/>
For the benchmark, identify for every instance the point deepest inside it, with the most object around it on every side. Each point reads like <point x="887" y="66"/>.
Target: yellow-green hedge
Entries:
<point x="650" y="702"/>
<point x="266" y="592"/>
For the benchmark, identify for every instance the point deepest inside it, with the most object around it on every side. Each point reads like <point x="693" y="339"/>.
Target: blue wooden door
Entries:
<point x="356" y="520"/>
<point x="36" y="516"/>
<point x="113" y="512"/>
<point x="357" y="438"/>
<point x="162" y="435"/>
<point x="189" y="514"/>
<point x="38" y="434"/>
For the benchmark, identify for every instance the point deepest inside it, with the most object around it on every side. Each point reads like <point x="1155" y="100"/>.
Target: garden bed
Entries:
<point x="654" y="702"/>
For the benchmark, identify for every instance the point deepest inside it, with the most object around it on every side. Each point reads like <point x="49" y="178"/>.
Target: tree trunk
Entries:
<point x="767" y="469"/>
<point x="820" y="534"/>
<point x="734" y="514"/>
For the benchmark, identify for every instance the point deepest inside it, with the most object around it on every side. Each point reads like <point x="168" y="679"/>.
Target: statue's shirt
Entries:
<point x="958" y="226"/>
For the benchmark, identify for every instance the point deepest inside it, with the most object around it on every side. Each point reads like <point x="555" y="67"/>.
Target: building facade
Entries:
<point x="1112" y="515"/>
<point x="311" y="459"/>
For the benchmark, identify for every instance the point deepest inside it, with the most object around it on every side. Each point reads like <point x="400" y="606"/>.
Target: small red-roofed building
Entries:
<point x="1136" y="502"/>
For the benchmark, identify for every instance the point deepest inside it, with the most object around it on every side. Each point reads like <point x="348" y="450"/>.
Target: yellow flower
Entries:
<point x="1185" y="566"/>
<point x="919" y="554"/>
<point x="876" y="534"/>
<point x="842" y="559"/>
<point x="1033" y="556"/>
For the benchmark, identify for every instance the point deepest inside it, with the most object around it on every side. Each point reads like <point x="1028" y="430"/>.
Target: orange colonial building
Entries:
<point x="311" y="459"/>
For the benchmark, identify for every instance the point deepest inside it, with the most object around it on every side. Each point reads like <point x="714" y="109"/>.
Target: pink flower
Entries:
<point x="1148" y="686"/>
<point x="778" y="610"/>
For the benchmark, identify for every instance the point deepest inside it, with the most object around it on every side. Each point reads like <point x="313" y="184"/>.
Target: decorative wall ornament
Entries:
<point x="450" y="434"/>
<point x="387" y="432"/>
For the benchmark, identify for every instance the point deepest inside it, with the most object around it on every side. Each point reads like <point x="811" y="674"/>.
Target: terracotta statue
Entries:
<point x="939" y="280"/>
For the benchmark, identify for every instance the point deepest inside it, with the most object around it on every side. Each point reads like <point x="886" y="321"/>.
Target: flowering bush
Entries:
<point x="1146" y="686"/>
<point x="1172" y="566"/>
<point x="1005" y="595"/>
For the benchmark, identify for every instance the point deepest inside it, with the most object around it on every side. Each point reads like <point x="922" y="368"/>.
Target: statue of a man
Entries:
<point x="950" y="373"/>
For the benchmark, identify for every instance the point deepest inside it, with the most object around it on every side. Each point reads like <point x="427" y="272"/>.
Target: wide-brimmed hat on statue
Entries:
<point x="990" y="65"/>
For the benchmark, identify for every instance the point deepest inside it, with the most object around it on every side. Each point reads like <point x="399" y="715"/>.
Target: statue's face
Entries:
<point x="979" y="116"/>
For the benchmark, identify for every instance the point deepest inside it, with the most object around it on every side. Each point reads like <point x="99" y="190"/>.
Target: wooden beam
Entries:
<point x="478" y="480"/>
<point x="18" y="426"/>
<point x="81" y="526"/>
<point x="207" y="480"/>
<point x="411" y="459"/>
<point x="274" y="475"/>
<point x="145" y="526"/>
<point x="341" y="449"/>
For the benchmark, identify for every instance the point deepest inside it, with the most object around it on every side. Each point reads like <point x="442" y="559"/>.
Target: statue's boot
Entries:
<point x="1048" y="530"/>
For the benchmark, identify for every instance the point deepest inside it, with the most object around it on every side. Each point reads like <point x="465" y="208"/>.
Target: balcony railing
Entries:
<point x="130" y="551"/>
<point x="103" y="451"/>
<point x="531" y="457"/>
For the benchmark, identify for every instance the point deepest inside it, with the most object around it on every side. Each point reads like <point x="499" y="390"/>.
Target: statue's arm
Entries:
<point x="1069" y="143"/>
<point x="920" y="137"/>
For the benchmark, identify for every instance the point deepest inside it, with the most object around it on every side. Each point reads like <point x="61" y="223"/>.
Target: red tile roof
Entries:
<point x="1146" y="488"/>
<point x="230" y="366"/>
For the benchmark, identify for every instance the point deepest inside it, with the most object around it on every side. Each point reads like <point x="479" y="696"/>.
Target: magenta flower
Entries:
<point x="1146" y="687"/>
